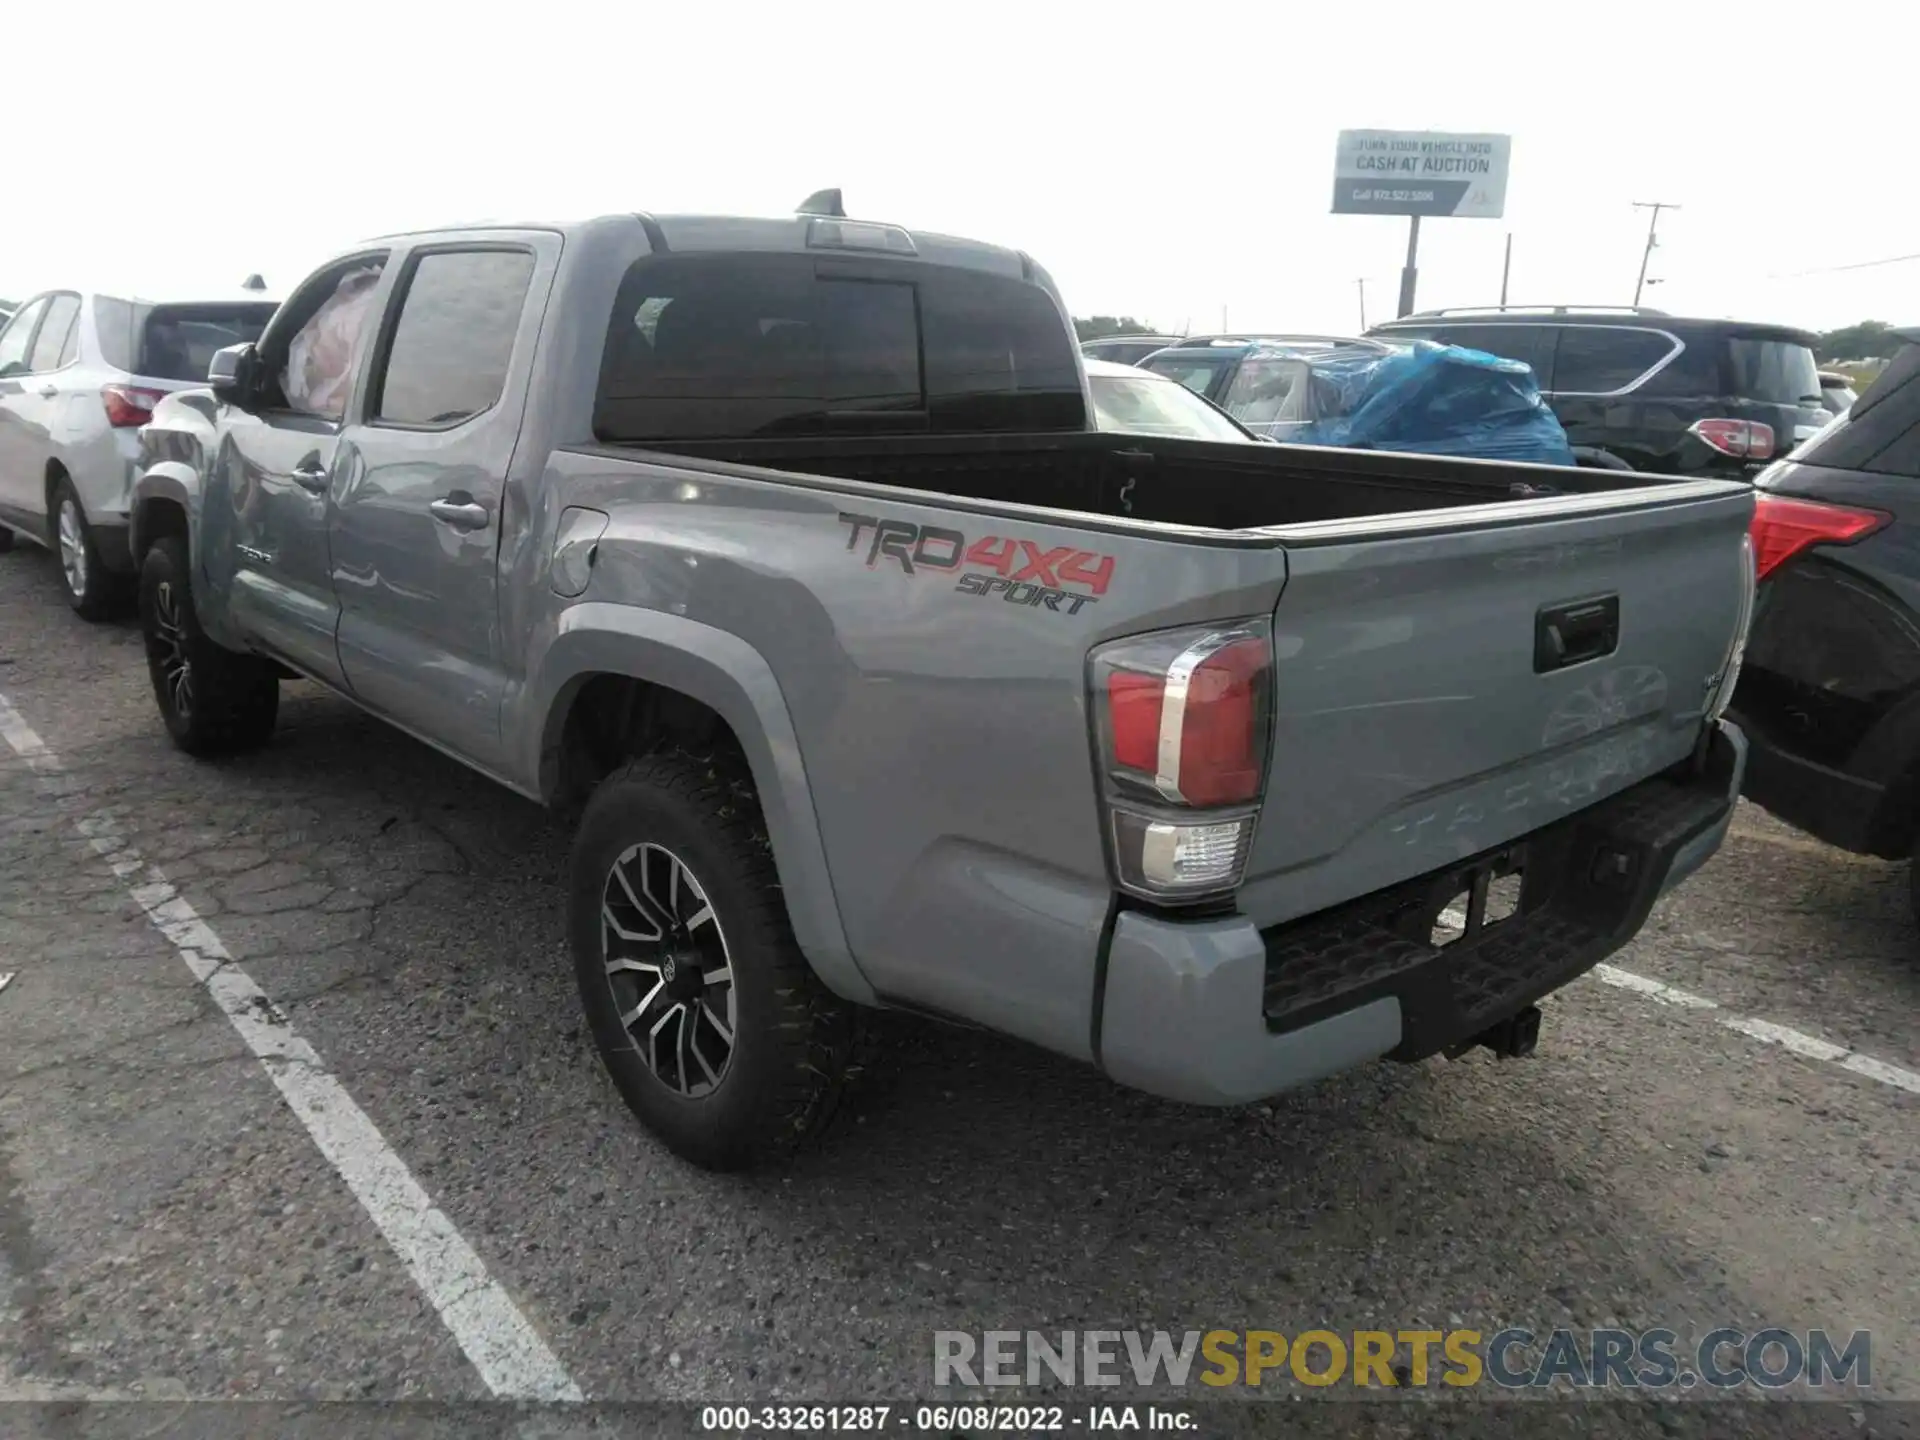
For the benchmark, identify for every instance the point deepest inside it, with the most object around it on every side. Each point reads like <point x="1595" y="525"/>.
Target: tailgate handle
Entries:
<point x="1569" y="634"/>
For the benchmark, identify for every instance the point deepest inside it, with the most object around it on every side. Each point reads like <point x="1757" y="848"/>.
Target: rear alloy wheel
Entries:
<point x="707" y="1016"/>
<point x="668" y="966"/>
<point x="214" y="701"/>
<point x="94" y="592"/>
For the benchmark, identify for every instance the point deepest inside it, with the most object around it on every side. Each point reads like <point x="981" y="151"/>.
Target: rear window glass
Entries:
<point x="731" y="346"/>
<point x="1203" y="374"/>
<point x="1599" y="359"/>
<point x="1774" y="372"/>
<point x="176" y="342"/>
<point x="173" y="342"/>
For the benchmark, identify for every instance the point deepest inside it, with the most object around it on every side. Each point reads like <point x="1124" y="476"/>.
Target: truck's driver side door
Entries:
<point x="270" y="484"/>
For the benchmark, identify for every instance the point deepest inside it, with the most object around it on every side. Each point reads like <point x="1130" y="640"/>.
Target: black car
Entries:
<point x="1639" y="389"/>
<point x="1829" y="694"/>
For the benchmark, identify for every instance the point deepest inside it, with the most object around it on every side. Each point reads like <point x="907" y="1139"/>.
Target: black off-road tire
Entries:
<point x="99" y="594"/>
<point x="230" y="701"/>
<point x="794" y="1042"/>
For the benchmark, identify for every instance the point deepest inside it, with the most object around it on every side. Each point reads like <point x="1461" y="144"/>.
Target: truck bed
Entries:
<point x="1177" y="482"/>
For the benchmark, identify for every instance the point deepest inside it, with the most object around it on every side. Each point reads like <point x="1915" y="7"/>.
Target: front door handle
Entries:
<point x="311" y="477"/>
<point x="460" y="514"/>
<point x="49" y="391"/>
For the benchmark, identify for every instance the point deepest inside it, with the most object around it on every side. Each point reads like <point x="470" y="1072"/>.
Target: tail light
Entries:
<point x="129" y="405"/>
<point x="1182" y="722"/>
<point x="1742" y="439"/>
<point x="1721" y="694"/>
<point x="1783" y="526"/>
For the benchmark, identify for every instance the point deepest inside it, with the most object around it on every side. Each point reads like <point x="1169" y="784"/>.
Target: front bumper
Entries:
<point x="1219" y="1012"/>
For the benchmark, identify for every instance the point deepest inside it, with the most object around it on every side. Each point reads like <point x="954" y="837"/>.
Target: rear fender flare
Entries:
<point x="734" y="680"/>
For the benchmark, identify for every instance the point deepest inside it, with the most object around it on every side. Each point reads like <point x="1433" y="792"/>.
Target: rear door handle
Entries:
<point x="48" y="392"/>
<point x="310" y="477"/>
<point x="460" y="514"/>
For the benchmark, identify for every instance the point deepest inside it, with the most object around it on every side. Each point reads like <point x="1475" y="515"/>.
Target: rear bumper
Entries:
<point x="1828" y="804"/>
<point x="1220" y="1012"/>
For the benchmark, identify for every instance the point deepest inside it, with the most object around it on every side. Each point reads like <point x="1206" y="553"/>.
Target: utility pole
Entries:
<point x="1506" y="269"/>
<point x="1653" y="224"/>
<point x="1362" y="283"/>
<point x="1410" y="273"/>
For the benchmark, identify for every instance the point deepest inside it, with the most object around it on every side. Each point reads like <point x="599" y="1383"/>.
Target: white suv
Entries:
<point x="79" y="374"/>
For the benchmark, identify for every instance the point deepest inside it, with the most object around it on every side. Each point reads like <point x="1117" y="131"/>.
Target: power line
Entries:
<point x="1857" y="265"/>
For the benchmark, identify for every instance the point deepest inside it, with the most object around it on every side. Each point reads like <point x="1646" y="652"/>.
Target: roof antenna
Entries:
<point x="824" y="202"/>
<point x="253" y="282"/>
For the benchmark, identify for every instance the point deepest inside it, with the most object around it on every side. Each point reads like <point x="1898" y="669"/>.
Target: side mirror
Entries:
<point x="231" y="374"/>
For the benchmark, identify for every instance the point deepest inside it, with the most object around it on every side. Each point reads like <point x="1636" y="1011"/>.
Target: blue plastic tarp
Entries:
<point x="1436" y="399"/>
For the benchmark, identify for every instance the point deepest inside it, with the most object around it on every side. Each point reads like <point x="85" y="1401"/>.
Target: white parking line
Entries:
<point x="504" y="1347"/>
<point x="1810" y="1046"/>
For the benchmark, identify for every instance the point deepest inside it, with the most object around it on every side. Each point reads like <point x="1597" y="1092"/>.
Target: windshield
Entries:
<point x="1774" y="372"/>
<point x="1154" y="406"/>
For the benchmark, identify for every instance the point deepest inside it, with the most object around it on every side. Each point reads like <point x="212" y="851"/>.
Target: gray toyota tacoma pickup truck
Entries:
<point x="783" y="549"/>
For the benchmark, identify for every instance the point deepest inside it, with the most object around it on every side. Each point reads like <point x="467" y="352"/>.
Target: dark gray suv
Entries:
<point x="1639" y="389"/>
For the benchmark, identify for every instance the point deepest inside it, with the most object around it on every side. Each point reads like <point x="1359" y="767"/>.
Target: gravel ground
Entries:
<point x="169" y="1230"/>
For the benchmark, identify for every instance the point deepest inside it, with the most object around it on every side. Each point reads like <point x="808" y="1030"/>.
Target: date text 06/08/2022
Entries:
<point x="942" y="1419"/>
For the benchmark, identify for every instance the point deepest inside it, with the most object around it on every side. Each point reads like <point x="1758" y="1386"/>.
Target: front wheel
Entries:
<point x="214" y="700"/>
<point x="707" y="1016"/>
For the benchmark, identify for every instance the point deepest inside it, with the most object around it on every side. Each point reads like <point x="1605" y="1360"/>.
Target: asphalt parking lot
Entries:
<point x="174" y="1224"/>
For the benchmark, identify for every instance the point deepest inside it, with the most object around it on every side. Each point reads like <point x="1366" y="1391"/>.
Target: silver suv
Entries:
<point x="79" y="374"/>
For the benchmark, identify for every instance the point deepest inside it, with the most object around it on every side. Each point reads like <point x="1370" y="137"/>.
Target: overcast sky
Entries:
<point x="1164" y="161"/>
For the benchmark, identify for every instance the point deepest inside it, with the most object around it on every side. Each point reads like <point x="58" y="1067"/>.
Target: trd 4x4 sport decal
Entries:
<point x="1020" y="572"/>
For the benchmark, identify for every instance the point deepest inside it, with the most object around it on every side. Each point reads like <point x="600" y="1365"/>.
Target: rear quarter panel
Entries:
<point x="943" y="730"/>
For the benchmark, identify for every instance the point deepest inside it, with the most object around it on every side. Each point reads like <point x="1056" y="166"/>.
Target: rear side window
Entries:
<point x="732" y="346"/>
<point x="1531" y="345"/>
<point x="447" y="360"/>
<point x="1774" y="372"/>
<point x="62" y="311"/>
<point x="1693" y="374"/>
<point x="1599" y="359"/>
<point x="177" y="342"/>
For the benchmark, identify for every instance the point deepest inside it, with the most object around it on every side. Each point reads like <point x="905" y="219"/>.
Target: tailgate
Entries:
<point x="1446" y="682"/>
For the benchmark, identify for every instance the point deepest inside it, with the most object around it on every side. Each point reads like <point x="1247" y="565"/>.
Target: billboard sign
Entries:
<point x="1420" y="172"/>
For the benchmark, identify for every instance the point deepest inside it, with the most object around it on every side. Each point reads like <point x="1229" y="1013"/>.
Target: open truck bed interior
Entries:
<point x="1176" y="482"/>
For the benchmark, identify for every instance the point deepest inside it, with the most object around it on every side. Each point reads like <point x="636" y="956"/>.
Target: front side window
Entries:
<point x="454" y="337"/>
<point x="1600" y="359"/>
<point x="18" y="335"/>
<point x="62" y="311"/>
<point x="313" y="374"/>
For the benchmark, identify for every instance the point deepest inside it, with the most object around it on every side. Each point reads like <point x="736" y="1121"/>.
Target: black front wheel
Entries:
<point x="215" y="701"/>
<point x="707" y="1016"/>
